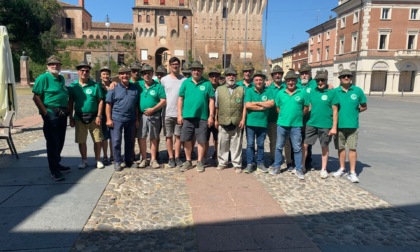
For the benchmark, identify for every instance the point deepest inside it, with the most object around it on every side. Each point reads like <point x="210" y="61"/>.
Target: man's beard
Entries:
<point x="304" y="81"/>
<point x="230" y="83"/>
<point x="54" y="71"/>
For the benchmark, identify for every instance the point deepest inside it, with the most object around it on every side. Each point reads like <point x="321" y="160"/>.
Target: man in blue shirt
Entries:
<point x="122" y="110"/>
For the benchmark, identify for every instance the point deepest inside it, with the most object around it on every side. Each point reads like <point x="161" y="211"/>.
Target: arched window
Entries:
<point x="161" y="20"/>
<point x="139" y="18"/>
<point x="104" y="37"/>
<point x="184" y="20"/>
<point x="98" y="37"/>
<point x="111" y="37"/>
<point x="118" y="37"/>
<point x="148" y="19"/>
<point x="91" y="36"/>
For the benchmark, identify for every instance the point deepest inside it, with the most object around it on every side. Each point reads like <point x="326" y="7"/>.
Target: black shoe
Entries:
<point x="172" y="163"/>
<point x="65" y="169"/>
<point x="57" y="176"/>
<point x="117" y="167"/>
<point x="178" y="162"/>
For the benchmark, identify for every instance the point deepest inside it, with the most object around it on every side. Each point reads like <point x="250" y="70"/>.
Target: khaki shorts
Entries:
<point x="346" y="138"/>
<point x="171" y="127"/>
<point x="82" y="131"/>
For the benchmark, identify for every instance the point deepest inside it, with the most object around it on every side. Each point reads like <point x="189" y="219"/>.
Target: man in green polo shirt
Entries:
<point x="291" y="106"/>
<point x="274" y="88"/>
<point x="135" y="78"/>
<point x="51" y="99"/>
<point x="247" y="72"/>
<point x="152" y="100"/>
<point x="322" y="123"/>
<point x="195" y="113"/>
<point x="86" y="99"/>
<point x="258" y="101"/>
<point x="352" y="101"/>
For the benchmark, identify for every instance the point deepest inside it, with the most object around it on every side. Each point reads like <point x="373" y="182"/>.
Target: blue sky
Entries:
<point x="286" y="24"/>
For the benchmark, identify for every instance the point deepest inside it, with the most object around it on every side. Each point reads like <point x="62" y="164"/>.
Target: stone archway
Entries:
<point x="162" y="55"/>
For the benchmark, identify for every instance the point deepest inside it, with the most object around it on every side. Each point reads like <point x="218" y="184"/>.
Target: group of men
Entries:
<point x="190" y="108"/>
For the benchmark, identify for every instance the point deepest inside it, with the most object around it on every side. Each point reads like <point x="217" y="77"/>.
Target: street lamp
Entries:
<point x="107" y="24"/>
<point x="186" y="27"/>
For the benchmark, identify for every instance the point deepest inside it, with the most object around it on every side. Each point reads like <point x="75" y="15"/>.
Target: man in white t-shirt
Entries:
<point x="171" y="83"/>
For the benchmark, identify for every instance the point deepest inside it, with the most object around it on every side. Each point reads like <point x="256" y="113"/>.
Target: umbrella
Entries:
<point x="8" y="98"/>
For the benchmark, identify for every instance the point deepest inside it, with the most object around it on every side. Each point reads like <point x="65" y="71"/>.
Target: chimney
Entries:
<point x="82" y="3"/>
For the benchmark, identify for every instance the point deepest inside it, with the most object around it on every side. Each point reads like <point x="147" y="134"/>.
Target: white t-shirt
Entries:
<point x="172" y="86"/>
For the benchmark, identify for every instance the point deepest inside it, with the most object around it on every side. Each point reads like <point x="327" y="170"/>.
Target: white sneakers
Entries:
<point x="323" y="174"/>
<point x="339" y="172"/>
<point x="352" y="176"/>
<point x="100" y="165"/>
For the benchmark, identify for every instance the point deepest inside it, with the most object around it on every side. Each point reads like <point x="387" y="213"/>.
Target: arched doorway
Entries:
<point x="379" y="74"/>
<point x="162" y="55"/>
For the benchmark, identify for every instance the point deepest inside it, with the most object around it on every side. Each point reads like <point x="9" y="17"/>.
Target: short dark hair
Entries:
<point x="173" y="59"/>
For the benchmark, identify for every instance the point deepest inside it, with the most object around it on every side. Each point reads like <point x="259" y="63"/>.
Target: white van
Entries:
<point x="70" y="76"/>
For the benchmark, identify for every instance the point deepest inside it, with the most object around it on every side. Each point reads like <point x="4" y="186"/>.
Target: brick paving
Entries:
<point x="165" y="210"/>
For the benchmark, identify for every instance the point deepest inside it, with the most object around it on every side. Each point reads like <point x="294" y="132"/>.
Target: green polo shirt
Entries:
<point x="272" y="114"/>
<point x="321" y="101"/>
<point x="86" y="98"/>
<point x="241" y="83"/>
<point x="138" y="82"/>
<point x="291" y="108"/>
<point x="196" y="98"/>
<point x="308" y="87"/>
<point x="257" y="118"/>
<point x="348" y="113"/>
<point x="52" y="90"/>
<point x="150" y="97"/>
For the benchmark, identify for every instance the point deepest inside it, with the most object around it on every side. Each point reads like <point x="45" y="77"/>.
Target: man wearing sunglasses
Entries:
<point x="214" y="76"/>
<point x="86" y="99"/>
<point x="352" y="101"/>
<point x="322" y="123"/>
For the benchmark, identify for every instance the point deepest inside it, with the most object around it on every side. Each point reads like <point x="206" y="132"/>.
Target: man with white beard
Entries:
<point x="230" y="120"/>
<point x="51" y="98"/>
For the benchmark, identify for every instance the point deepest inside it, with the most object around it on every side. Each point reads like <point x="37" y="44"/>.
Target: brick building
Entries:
<point x="299" y="55"/>
<point x="321" y="48"/>
<point x="183" y="28"/>
<point x="379" y="42"/>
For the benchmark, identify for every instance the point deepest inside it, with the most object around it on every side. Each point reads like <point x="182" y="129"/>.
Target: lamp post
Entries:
<point x="186" y="27"/>
<point x="107" y="24"/>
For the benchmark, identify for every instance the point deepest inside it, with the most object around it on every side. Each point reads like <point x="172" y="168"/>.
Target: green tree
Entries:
<point x="33" y="26"/>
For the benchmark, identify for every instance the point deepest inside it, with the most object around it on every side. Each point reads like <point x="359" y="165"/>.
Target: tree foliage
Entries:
<point x="33" y="26"/>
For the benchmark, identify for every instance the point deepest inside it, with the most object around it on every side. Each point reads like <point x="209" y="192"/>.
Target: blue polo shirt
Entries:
<point x="124" y="102"/>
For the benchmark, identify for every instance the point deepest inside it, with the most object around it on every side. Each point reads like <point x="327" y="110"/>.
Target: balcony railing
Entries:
<point x="400" y="54"/>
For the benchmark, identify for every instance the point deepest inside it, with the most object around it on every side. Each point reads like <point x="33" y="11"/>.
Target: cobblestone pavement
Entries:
<point x="144" y="210"/>
<point x="335" y="211"/>
<point x="141" y="210"/>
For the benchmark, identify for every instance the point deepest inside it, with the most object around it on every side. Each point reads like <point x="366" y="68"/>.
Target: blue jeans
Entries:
<point x="251" y="133"/>
<point x="129" y="129"/>
<point x="296" y="140"/>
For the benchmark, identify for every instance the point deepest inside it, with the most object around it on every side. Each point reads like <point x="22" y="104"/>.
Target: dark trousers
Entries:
<point x="55" y="133"/>
<point x="129" y="129"/>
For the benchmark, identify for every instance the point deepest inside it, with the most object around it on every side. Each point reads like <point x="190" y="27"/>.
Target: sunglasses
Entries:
<point x="84" y="71"/>
<point x="146" y="73"/>
<point x="321" y="80"/>
<point x="345" y="76"/>
<point x="213" y="75"/>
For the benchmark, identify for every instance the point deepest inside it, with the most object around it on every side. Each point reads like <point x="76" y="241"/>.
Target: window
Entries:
<point x="318" y="54"/>
<point x="414" y="14"/>
<point x="412" y="40"/>
<point x="354" y="37"/>
<point x="139" y="18"/>
<point x="327" y="52"/>
<point x="341" y="45"/>
<point x="356" y="17"/>
<point x="162" y="2"/>
<point x="319" y="38"/>
<point x="312" y="40"/>
<point x="328" y="35"/>
<point x="120" y="58"/>
<point x="146" y="2"/>
<point x="181" y="2"/>
<point x="386" y="13"/>
<point x="383" y="41"/>
<point x="161" y="20"/>
<point x="343" y="22"/>
<point x="310" y="56"/>
<point x="143" y="54"/>
<point x="148" y="19"/>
